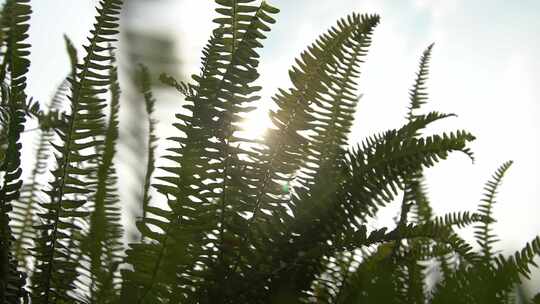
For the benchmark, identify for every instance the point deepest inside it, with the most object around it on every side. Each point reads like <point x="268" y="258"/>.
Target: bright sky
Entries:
<point x="484" y="68"/>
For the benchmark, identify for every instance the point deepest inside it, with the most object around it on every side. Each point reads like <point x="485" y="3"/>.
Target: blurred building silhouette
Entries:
<point x="144" y="40"/>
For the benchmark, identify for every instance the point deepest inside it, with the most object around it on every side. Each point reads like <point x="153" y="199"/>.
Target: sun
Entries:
<point x="255" y="124"/>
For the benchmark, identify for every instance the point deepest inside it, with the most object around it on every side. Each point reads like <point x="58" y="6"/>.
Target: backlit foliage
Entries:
<point x="280" y="219"/>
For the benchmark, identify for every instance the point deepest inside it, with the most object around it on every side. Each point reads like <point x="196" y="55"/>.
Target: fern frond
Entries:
<point x="72" y="55"/>
<point x="53" y="117"/>
<point x="471" y="285"/>
<point x="410" y="281"/>
<point x="204" y="189"/>
<point x="393" y="146"/>
<point x="16" y="61"/>
<point x="418" y="95"/>
<point x="478" y="282"/>
<point x="403" y="284"/>
<point x="32" y="108"/>
<point x="184" y="88"/>
<point x="56" y="114"/>
<point x="442" y="235"/>
<point x="333" y="219"/>
<point x="25" y="208"/>
<point x="332" y="60"/>
<point x="323" y="90"/>
<point x="459" y="219"/>
<point x="415" y="190"/>
<point x="414" y="197"/>
<point x="410" y="129"/>
<point x="328" y="286"/>
<point x="236" y="176"/>
<point x="279" y="219"/>
<point x="103" y="243"/>
<point x="55" y="269"/>
<point x="334" y="97"/>
<point x="334" y="216"/>
<point x="484" y="236"/>
<point x="373" y="279"/>
<point x="149" y="100"/>
<point x="519" y="264"/>
<point x="4" y="21"/>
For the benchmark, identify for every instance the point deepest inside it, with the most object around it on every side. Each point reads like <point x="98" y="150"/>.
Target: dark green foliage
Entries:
<point x="102" y="246"/>
<point x="149" y="101"/>
<point x="53" y="280"/>
<point x="418" y="95"/>
<point x="15" y="63"/>
<point x="285" y="218"/>
<point x="483" y="232"/>
<point x="24" y="209"/>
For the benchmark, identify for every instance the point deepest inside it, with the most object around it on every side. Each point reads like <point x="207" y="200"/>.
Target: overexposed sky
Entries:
<point x="485" y="68"/>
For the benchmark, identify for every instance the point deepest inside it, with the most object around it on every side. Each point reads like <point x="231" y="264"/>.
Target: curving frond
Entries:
<point x="484" y="235"/>
<point x="63" y="214"/>
<point x="410" y="129"/>
<point x="332" y="97"/>
<point x="432" y="147"/>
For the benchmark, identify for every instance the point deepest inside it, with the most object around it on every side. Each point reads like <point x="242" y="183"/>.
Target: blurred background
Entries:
<point x="484" y="68"/>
